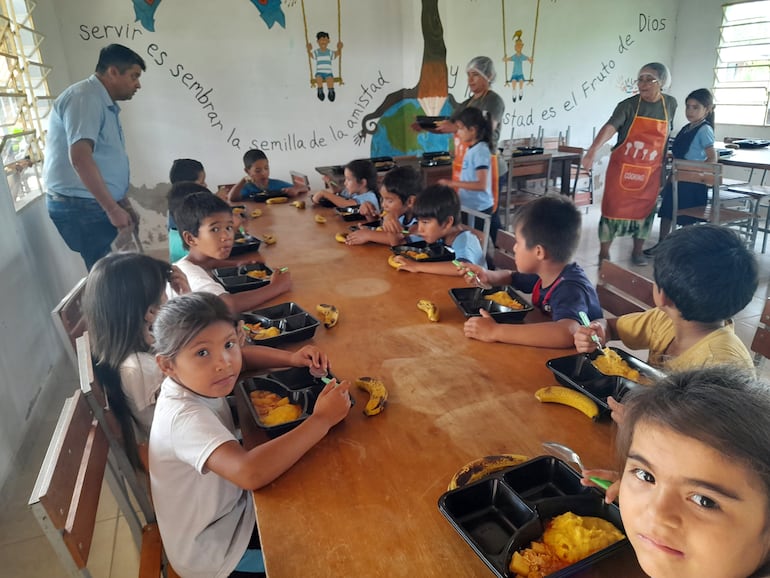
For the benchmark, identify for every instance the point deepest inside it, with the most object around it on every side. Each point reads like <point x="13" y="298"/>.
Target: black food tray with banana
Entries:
<point x="244" y="244"/>
<point x="578" y="372"/>
<point x="470" y="299"/>
<point x="243" y="278"/>
<point x="263" y="196"/>
<point x="422" y="251"/>
<point x="279" y="324"/>
<point x="350" y="213"/>
<point x="507" y="510"/>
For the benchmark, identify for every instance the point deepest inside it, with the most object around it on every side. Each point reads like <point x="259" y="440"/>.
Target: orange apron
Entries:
<point x="457" y="161"/>
<point x="633" y="178"/>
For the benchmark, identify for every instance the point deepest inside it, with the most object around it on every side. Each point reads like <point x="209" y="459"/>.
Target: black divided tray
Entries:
<point x="434" y="251"/>
<point x="470" y="299"/>
<point x="429" y="122"/>
<point x="295" y="323"/>
<point x="370" y="225"/>
<point x="748" y="143"/>
<point x="506" y="511"/>
<point x="350" y="213"/>
<point x="263" y="196"/>
<point x="296" y="383"/>
<point x="235" y="279"/>
<point x="526" y="151"/>
<point x="578" y="372"/>
<point x="244" y="244"/>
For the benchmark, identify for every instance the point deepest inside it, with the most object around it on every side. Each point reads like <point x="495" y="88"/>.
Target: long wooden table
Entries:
<point x="363" y="502"/>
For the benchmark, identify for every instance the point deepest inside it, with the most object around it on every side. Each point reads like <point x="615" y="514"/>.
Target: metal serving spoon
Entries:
<point x="568" y="454"/>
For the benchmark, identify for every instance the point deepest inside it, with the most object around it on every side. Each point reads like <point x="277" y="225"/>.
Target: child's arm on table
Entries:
<point x="604" y="329"/>
<point x="361" y="236"/>
<point x="261" y="356"/>
<point x="436" y="268"/>
<point x="248" y="300"/>
<point x="234" y="194"/>
<point x="333" y="198"/>
<point x="255" y="468"/>
<point x="555" y="334"/>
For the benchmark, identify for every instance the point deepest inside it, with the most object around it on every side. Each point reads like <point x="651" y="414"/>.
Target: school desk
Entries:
<point x="363" y="502"/>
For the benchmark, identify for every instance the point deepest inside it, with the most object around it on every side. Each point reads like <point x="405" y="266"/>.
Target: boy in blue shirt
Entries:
<point x="257" y="180"/>
<point x="547" y="234"/>
<point x="182" y="171"/>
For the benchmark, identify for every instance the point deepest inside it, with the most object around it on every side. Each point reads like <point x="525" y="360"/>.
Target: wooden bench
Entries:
<point x="502" y="256"/>
<point x="622" y="291"/>
<point x="69" y="320"/>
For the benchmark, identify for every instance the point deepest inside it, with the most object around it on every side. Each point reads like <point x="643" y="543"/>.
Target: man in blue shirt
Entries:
<point x="86" y="165"/>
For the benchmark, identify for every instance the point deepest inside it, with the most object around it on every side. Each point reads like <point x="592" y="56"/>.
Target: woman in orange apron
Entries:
<point x="635" y="171"/>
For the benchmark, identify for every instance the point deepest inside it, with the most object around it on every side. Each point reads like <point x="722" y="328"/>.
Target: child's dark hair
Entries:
<point x="364" y="169"/>
<point x="724" y="407"/>
<point x="192" y="209"/>
<point x="184" y="317"/>
<point x="119" y="290"/>
<point x="185" y="170"/>
<point x="179" y="191"/>
<point x="704" y="96"/>
<point x="321" y="34"/>
<point x="706" y="271"/>
<point x="404" y="182"/>
<point x="252" y="156"/>
<point x="474" y="118"/>
<point x="553" y="222"/>
<point x="438" y="202"/>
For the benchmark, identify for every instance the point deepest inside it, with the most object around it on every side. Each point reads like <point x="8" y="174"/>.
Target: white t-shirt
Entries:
<point x="141" y="377"/>
<point x="198" y="278"/>
<point x="205" y="521"/>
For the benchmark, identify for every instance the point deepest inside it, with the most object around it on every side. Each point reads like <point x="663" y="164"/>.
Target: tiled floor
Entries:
<point x="25" y="552"/>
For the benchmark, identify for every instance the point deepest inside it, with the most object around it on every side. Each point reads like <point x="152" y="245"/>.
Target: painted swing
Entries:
<point x="324" y="57"/>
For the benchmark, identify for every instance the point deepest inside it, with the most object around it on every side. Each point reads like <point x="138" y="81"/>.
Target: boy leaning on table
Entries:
<point x="206" y="224"/>
<point x="547" y="235"/>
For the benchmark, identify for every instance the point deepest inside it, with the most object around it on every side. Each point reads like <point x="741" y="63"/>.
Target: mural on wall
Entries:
<point x="269" y="10"/>
<point x="323" y="73"/>
<point x="518" y="59"/>
<point x="393" y="135"/>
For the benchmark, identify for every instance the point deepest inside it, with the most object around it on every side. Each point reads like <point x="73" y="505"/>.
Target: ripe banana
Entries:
<point x="256" y="213"/>
<point x="329" y="313"/>
<point x="482" y="467"/>
<point x="378" y="395"/>
<point x="277" y="200"/>
<point x="298" y="204"/>
<point x="320" y="219"/>
<point x="393" y="263"/>
<point x="429" y="307"/>
<point x="341" y="237"/>
<point x="269" y="239"/>
<point x="570" y="397"/>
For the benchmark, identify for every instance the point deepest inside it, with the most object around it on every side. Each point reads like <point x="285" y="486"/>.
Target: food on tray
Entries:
<point x="277" y="200"/>
<point x="329" y="314"/>
<point x="567" y="539"/>
<point x="272" y="409"/>
<point x="416" y="255"/>
<point x="430" y="308"/>
<point x="257" y="274"/>
<point x="256" y="331"/>
<point x="482" y="467"/>
<point x="240" y="240"/>
<point x="502" y="298"/>
<point x="570" y="397"/>
<point x="612" y="364"/>
<point x="378" y="394"/>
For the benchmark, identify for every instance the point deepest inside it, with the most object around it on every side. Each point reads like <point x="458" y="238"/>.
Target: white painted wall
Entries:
<point x="259" y="89"/>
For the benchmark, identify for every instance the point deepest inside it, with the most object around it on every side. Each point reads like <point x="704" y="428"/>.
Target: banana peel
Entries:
<point x="329" y="314"/>
<point x="430" y="308"/>
<point x="277" y="200"/>
<point x="298" y="204"/>
<point x="378" y="394"/>
<point x="341" y="237"/>
<point x="483" y="467"/>
<point x="570" y="397"/>
<point x="269" y="239"/>
<point x="320" y="219"/>
<point x="393" y="263"/>
<point x="256" y="213"/>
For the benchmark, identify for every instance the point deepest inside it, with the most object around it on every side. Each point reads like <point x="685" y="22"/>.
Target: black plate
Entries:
<point x="470" y="299"/>
<point x="504" y="512"/>
<point x="263" y="196"/>
<point x="577" y="371"/>
<point x="435" y="251"/>
<point x="749" y="143"/>
<point x="526" y="151"/>
<point x="370" y="225"/>
<point x="350" y="213"/>
<point x="429" y="122"/>
<point x="294" y="322"/>
<point x="235" y="279"/>
<point x="244" y="244"/>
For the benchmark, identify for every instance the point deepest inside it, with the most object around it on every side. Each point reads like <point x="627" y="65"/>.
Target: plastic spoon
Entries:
<point x="566" y="453"/>
<point x="587" y="323"/>
<point x="472" y="275"/>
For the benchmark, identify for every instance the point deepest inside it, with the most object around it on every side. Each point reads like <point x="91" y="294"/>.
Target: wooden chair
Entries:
<point x="69" y="320"/>
<point x="502" y="256"/>
<point x="479" y="223"/>
<point x="521" y="171"/>
<point x="65" y="497"/>
<point x="577" y="172"/>
<point x="622" y="291"/>
<point x="710" y="174"/>
<point x="760" y="345"/>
